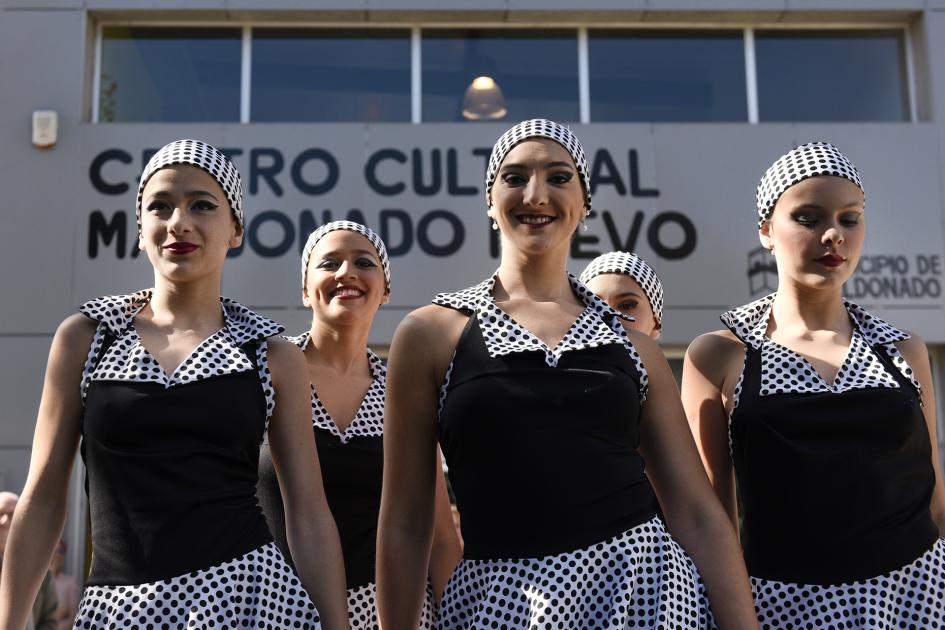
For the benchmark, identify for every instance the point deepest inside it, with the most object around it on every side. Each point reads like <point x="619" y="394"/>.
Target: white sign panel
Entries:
<point x="682" y="196"/>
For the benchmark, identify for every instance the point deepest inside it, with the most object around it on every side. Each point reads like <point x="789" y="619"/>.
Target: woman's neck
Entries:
<point x="536" y="278"/>
<point x="800" y="310"/>
<point x="344" y="349"/>
<point x="190" y="305"/>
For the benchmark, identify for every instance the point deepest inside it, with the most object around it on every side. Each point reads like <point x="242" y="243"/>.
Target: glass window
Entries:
<point x="667" y="76"/>
<point x="831" y="75"/>
<point x="331" y="75"/>
<point x="500" y="74"/>
<point x="169" y="74"/>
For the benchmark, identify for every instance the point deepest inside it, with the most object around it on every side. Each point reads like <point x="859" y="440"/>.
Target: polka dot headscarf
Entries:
<point x="203" y="156"/>
<point x="351" y="226"/>
<point x="808" y="160"/>
<point x="635" y="267"/>
<point x="539" y="128"/>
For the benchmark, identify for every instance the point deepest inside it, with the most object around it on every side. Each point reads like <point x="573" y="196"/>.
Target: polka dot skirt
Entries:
<point x="256" y="590"/>
<point x="639" y="579"/>
<point x="362" y="608"/>
<point x="912" y="597"/>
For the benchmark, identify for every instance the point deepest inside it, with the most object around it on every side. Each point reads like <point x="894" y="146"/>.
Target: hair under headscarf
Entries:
<point x="808" y="160"/>
<point x="539" y="128"/>
<point x="629" y="265"/>
<point x="350" y="226"/>
<point x="203" y="156"/>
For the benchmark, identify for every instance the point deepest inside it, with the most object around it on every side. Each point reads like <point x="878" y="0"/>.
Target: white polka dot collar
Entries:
<point x="785" y="371"/>
<point x="597" y="325"/>
<point x="117" y="312"/>
<point x="750" y="322"/>
<point x="369" y="420"/>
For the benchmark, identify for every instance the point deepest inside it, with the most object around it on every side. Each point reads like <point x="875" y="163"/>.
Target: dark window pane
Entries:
<point x="831" y="75"/>
<point x="536" y="72"/>
<point x="331" y="75"/>
<point x="659" y="76"/>
<point x="170" y="74"/>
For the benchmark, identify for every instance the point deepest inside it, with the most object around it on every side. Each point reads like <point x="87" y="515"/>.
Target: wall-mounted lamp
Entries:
<point x="45" y="128"/>
<point x="484" y="100"/>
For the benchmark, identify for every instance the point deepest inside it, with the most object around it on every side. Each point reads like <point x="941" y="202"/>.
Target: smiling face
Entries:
<point x="816" y="232"/>
<point x="537" y="199"/>
<point x="187" y="226"/>
<point x="624" y="294"/>
<point x="344" y="281"/>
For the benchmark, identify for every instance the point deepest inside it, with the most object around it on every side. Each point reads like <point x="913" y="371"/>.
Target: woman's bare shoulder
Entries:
<point x="74" y="335"/>
<point x="717" y="345"/>
<point x="430" y="333"/>
<point x="718" y="355"/>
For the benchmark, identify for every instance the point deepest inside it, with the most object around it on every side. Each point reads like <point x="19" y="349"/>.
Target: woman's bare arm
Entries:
<point x="310" y="528"/>
<point x="446" y="551"/>
<point x="693" y="514"/>
<point x="41" y="510"/>
<point x="419" y="355"/>
<point x="707" y="370"/>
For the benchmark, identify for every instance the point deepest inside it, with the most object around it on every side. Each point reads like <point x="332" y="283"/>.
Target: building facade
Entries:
<point x="385" y="111"/>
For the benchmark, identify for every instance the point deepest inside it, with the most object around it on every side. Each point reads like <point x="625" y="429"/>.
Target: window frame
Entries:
<point x="585" y="98"/>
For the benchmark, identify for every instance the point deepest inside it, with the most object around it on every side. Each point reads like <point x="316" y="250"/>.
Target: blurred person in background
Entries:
<point x="67" y="589"/>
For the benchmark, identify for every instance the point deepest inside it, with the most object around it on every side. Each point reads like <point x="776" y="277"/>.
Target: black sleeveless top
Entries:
<point x="352" y="466"/>
<point x="541" y="443"/>
<point x="836" y="481"/>
<point x="171" y="459"/>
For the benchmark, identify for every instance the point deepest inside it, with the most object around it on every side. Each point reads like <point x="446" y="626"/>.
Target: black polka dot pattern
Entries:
<point x="221" y="353"/>
<point x="597" y="325"/>
<point x="629" y="265"/>
<point x="911" y="597"/>
<point x="639" y="579"/>
<point x="201" y="155"/>
<point x="808" y="160"/>
<point x="369" y="420"/>
<point x="351" y="226"/>
<point x="785" y="371"/>
<point x="540" y="128"/>
<point x="256" y="590"/>
<point x="362" y="608"/>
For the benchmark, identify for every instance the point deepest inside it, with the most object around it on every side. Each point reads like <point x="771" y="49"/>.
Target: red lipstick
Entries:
<point x="831" y="260"/>
<point x="180" y="248"/>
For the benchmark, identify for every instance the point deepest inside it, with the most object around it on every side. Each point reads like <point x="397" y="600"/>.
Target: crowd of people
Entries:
<point x="240" y="478"/>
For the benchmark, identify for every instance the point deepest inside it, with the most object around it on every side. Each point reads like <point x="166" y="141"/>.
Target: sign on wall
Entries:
<point x="681" y="196"/>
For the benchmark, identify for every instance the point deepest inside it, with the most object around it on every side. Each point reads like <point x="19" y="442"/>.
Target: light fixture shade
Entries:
<point x="484" y="100"/>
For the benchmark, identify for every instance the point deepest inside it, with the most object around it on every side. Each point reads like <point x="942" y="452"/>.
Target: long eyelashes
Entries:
<point x="515" y="179"/>
<point x="364" y="263"/>
<point x="202" y="205"/>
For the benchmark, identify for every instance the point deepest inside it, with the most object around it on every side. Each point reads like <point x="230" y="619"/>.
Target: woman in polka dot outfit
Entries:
<point x="171" y="390"/>
<point x="345" y="279"/>
<point x="545" y="406"/>
<point x="826" y="413"/>
<point x="628" y="285"/>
